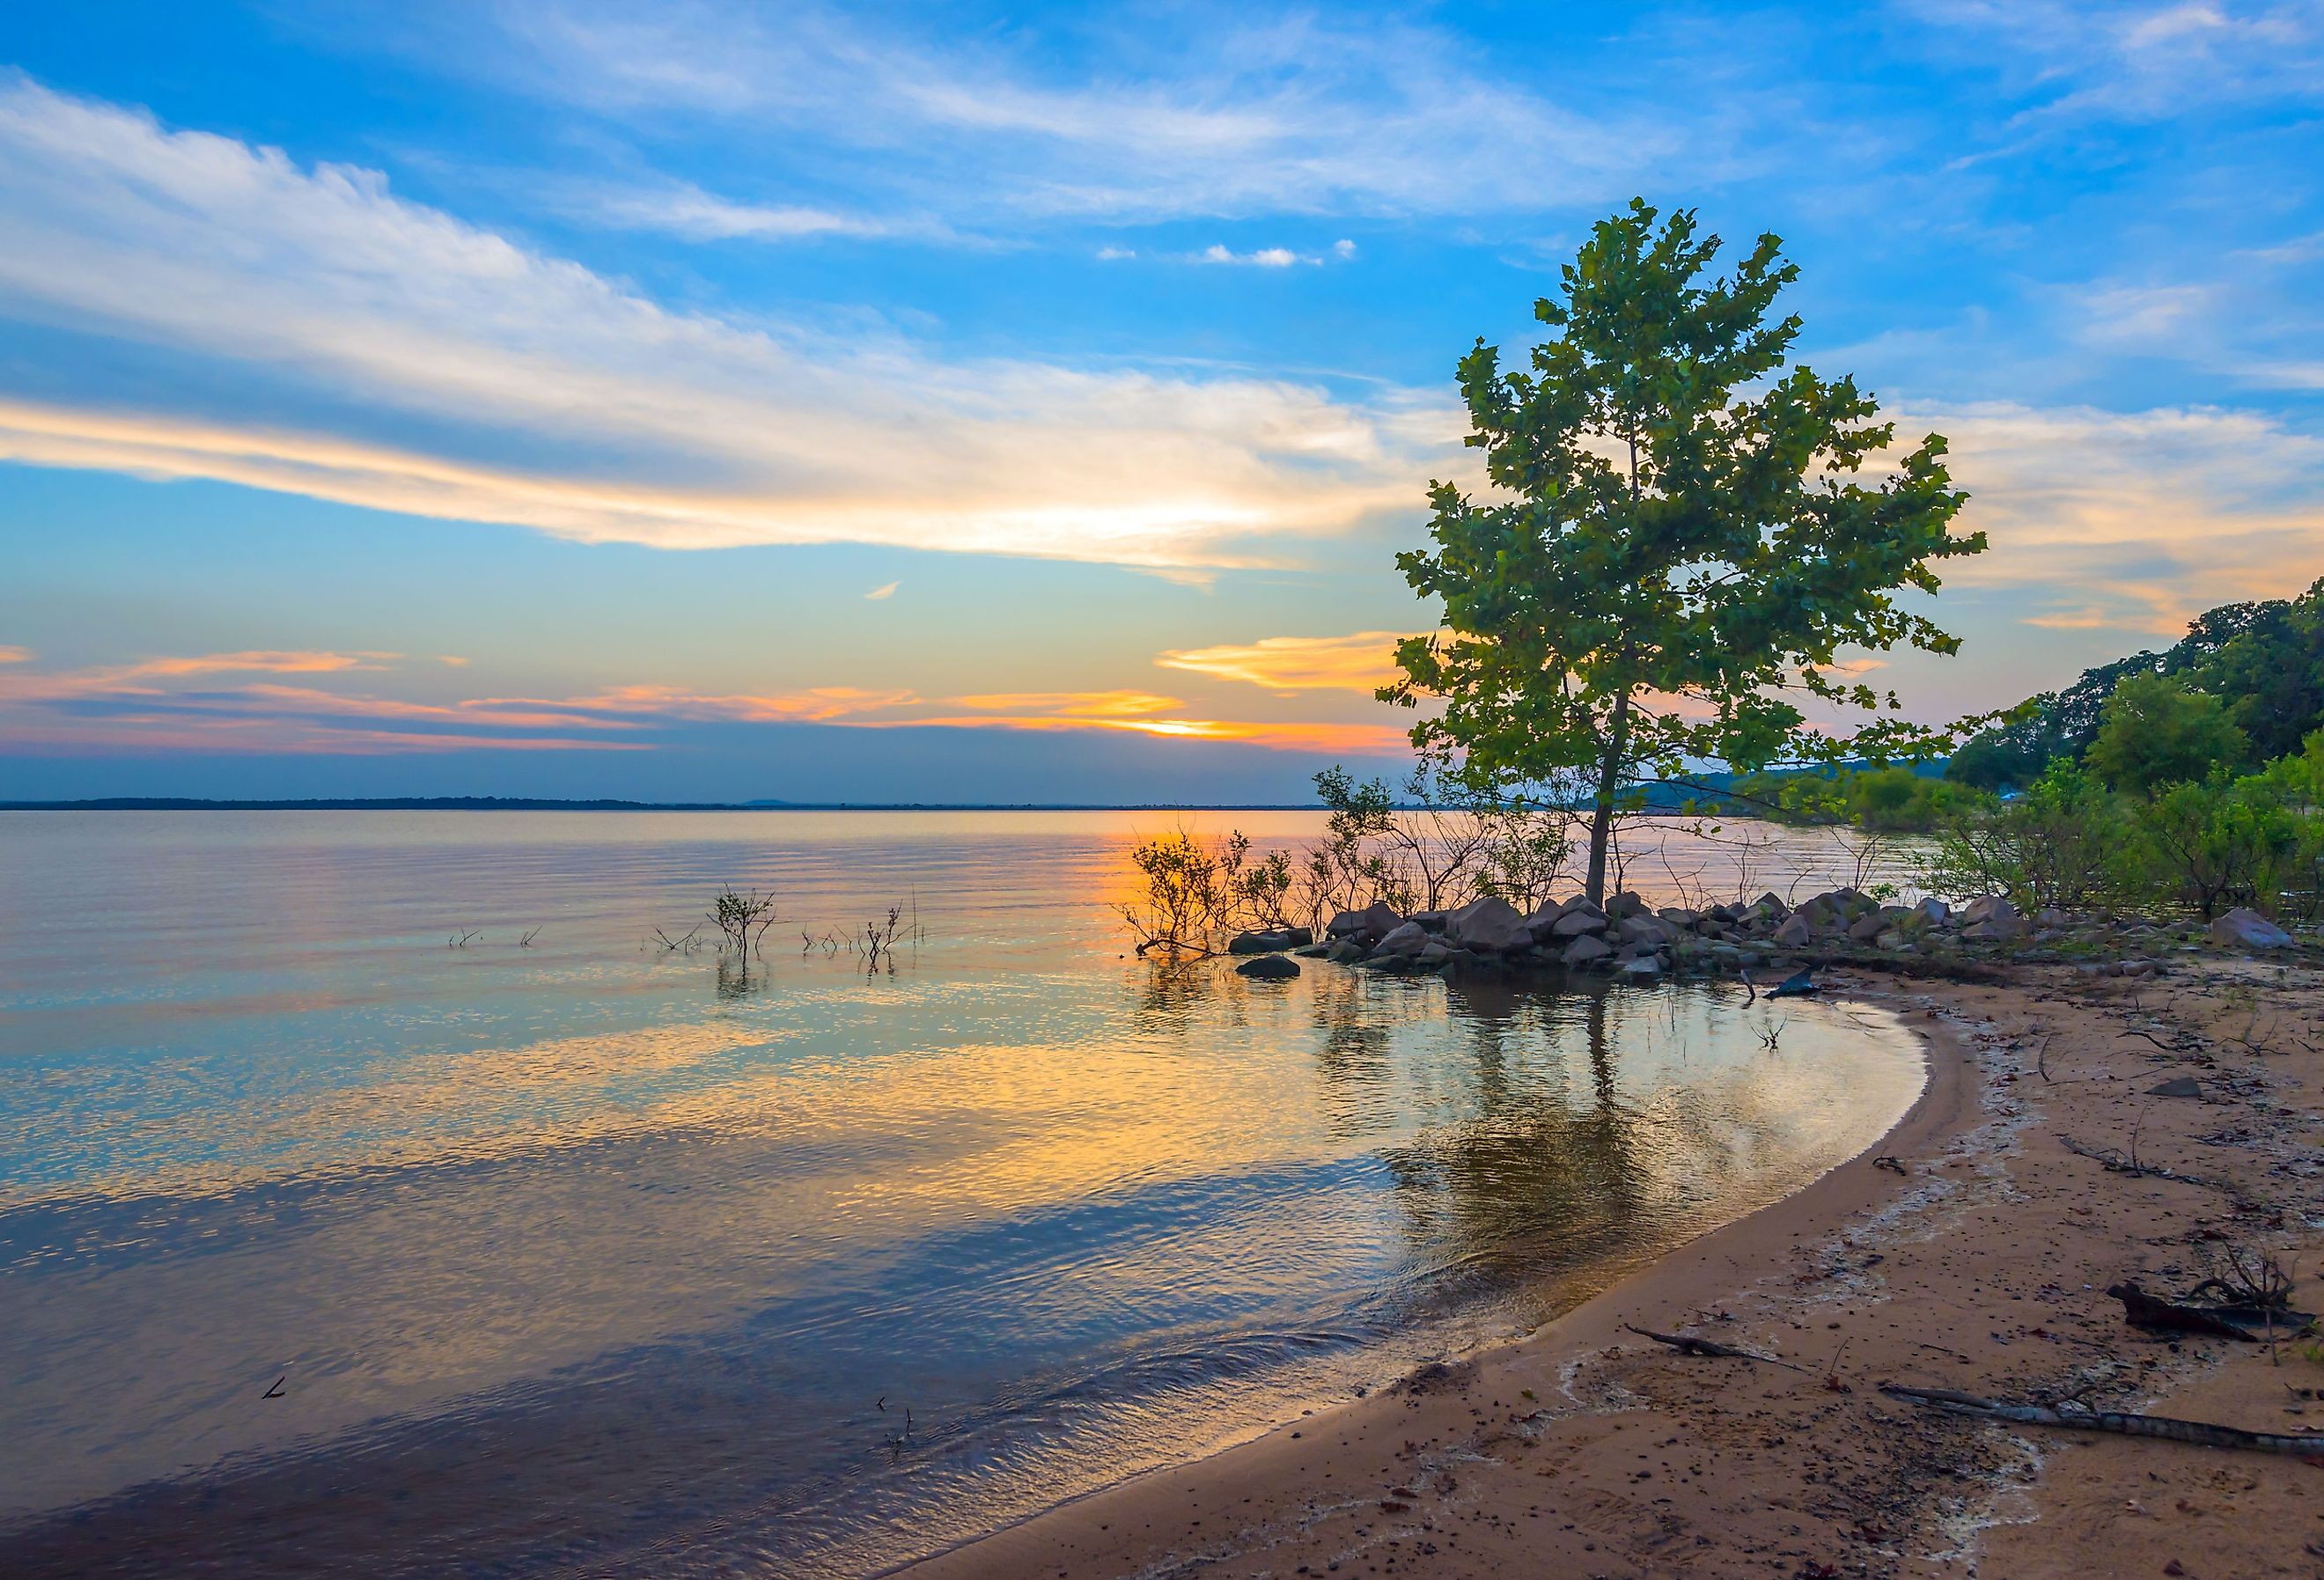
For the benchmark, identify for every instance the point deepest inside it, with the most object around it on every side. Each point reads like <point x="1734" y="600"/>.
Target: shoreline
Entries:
<point x="1526" y="1456"/>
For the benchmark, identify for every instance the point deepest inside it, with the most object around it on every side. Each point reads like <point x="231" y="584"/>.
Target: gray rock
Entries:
<point x="1376" y="920"/>
<point x="2246" y="929"/>
<point x="1268" y="966"/>
<point x="1316" y="951"/>
<point x="1867" y="927"/>
<point x="1432" y="920"/>
<point x="1772" y="903"/>
<point x="1343" y="951"/>
<point x="1677" y="916"/>
<point x="1432" y="955"/>
<point x="1404" y="939"/>
<point x="1645" y="968"/>
<point x="1585" y="950"/>
<point x="2180" y="1086"/>
<point x="1933" y="912"/>
<point x="1626" y="905"/>
<point x="1990" y="919"/>
<point x="1890" y="938"/>
<point x="1797" y="931"/>
<point x="1269" y="943"/>
<point x="1490" y="925"/>
<point x="1574" y="924"/>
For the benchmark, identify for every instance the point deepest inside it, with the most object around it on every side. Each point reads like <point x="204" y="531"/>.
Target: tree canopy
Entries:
<point x="1676" y="549"/>
<point x="2156" y="731"/>
<point x="2262" y="661"/>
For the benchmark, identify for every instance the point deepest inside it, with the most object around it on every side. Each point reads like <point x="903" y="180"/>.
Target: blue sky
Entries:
<point x="954" y="403"/>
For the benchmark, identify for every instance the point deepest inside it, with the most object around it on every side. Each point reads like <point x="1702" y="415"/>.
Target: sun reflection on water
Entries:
<point x="647" y="1236"/>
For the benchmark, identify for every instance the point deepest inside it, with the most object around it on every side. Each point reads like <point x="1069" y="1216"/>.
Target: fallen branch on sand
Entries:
<point x="1686" y="1344"/>
<point x="2141" y="1310"/>
<point x="2114" y="1162"/>
<point x="2201" y="1434"/>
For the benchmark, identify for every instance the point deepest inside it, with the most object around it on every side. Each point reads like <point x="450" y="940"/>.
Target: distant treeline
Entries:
<point x="2263" y="661"/>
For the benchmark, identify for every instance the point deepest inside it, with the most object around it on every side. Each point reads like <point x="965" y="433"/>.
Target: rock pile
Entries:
<point x="1628" y="937"/>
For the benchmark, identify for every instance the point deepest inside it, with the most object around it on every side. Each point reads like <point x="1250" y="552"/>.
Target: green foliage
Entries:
<point x="2063" y="842"/>
<point x="2154" y="731"/>
<point x="1892" y="800"/>
<point x="2223" y="843"/>
<point x="2264" y="662"/>
<point x="1678" y="546"/>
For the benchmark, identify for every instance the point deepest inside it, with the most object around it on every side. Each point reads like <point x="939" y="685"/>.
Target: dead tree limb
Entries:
<point x="1686" y="1344"/>
<point x="2200" y="1434"/>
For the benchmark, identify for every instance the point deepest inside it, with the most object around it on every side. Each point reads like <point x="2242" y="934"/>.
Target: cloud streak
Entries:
<point x="1361" y="661"/>
<point x="227" y="703"/>
<point x="492" y="383"/>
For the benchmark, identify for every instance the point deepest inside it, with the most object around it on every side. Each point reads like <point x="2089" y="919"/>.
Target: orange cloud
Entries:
<point x="1363" y="661"/>
<point x="147" y="705"/>
<point x="1363" y="740"/>
<point x="15" y="655"/>
<point x="817" y="705"/>
<point x="1080" y="704"/>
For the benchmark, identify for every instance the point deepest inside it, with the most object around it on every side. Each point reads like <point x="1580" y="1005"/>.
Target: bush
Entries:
<point x="2063" y="843"/>
<point x="2221" y="844"/>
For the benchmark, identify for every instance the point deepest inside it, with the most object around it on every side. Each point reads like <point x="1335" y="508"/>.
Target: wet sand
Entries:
<point x="1586" y="1450"/>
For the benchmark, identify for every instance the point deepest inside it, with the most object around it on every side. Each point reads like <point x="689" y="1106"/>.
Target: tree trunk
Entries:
<point x="1602" y="817"/>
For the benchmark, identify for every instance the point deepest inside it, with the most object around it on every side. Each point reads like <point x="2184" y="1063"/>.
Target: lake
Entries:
<point x="332" y="1241"/>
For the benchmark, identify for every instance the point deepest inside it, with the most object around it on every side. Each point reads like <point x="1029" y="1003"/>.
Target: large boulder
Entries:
<point x="1626" y="905"/>
<point x="1645" y="968"/>
<point x="1647" y="930"/>
<point x="1991" y="920"/>
<point x="1585" y="950"/>
<point x="1372" y="923"/>
<point x="1269" y="943"/>
<point x="1798" y="930"/>
<point x="1404" y="939"/>
<point x="2246" y="929"/>
<point x="1579" y="920"/>
<point x="1931" y="911"/>
<point x="1490" y="925"/>
<point x="1269" y="966"/>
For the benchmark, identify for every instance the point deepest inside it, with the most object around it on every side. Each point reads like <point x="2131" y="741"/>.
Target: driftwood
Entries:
<point x="2201" y="1434"/>
<point x="2141" y="1310"/>
<point x="1686" y="1344"/>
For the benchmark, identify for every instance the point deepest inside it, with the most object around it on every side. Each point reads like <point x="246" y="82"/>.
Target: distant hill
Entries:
<point x="2265" y="661"/>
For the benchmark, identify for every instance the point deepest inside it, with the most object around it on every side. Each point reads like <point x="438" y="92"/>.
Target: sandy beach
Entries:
<point x="1970" y="1249"/>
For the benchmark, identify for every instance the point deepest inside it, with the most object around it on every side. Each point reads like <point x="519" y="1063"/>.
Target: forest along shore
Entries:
<point x="2079" y="1132"/>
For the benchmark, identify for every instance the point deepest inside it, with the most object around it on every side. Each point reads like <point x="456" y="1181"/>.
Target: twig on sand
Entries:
<point x="2201" y="1434"/>
<point x="1686" y="1344"/>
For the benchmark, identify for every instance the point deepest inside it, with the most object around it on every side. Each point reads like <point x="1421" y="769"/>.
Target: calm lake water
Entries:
<point x="586" y="1257"/>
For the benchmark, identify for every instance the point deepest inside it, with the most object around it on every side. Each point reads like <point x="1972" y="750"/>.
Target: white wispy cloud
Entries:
<point x="1300" y="113"/>
<point x="2141" y="61"/>
<point x="2157" y="514"/>
<point x="885" y="591"/>
<point x="684" y="210"/>
<point x="523" y="388"/>
<point x="1262" y="257"/>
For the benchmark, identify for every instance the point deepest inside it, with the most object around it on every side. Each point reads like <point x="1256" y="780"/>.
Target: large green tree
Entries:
<point x="1677" y="548"/>
<point x="2157" y="731"/>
